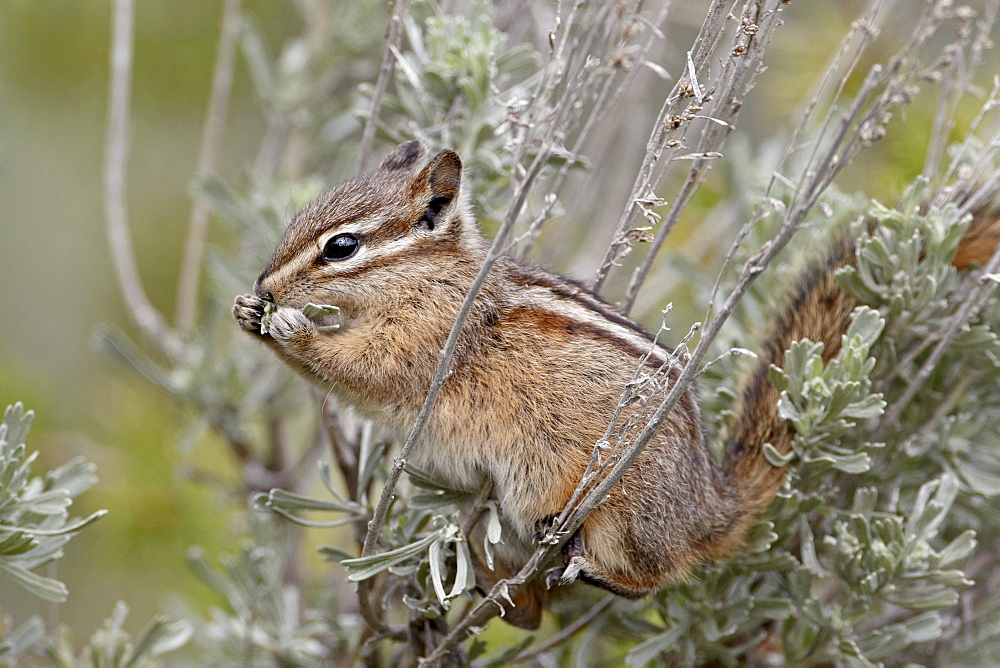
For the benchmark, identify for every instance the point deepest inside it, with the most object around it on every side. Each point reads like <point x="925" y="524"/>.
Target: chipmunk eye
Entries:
<point x="341" y="247"/>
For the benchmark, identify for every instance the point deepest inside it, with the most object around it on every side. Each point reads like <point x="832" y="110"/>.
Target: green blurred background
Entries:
<point x="56" y="282"/>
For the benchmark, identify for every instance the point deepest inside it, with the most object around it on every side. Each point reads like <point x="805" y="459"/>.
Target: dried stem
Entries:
<point x="393" y="33"/>
<point x="664" y="130"/>
<point x="208" y="158"/>
<point x="865" y="26"/>
<point x="609" y="93"/>
<point x="142" y="311"/>
<point x="734" y="82"/>
<point x="956" y="74"/>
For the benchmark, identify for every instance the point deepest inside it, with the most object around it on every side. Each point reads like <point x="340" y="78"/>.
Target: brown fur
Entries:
<point x="537" y="373"/>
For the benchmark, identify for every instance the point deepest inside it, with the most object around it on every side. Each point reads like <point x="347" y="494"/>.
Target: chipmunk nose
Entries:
<point x="261" y="292"/>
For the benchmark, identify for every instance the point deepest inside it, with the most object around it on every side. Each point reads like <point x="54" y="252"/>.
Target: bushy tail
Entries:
<point x="818" y="309"/>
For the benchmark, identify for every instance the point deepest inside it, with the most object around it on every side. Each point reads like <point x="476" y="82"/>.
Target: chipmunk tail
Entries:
<point x="818" y="309"/>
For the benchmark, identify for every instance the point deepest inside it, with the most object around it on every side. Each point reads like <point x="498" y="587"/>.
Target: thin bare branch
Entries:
<point x="566" y="633"/>
<point x="393" y="33"/>
<point x="664" y="130"/>
<point x="865" y="26"/>
<point x="142" y="311"/>
<point x="610" y="92"/>
<point x="733" y="83"/>
<point x="211" y="144"/>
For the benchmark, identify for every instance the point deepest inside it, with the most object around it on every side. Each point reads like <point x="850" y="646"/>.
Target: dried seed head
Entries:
<point x="870" y="31"/>
<point x="871" y="132"/>
<point x="639" y="235"/>
<point x="630" y="30"/>
<point x="965" y="13"/>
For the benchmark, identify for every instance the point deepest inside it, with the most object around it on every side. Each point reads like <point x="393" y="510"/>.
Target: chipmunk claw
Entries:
<point x="566" y="575"/>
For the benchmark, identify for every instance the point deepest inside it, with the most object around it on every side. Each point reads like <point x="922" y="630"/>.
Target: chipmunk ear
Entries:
<point x="403" y="157"/>
<point x="439" y="184"/>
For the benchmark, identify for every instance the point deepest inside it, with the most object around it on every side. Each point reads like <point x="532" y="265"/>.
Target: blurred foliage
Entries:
<point x="34" y="528"/>
<point x="263" y="627"/>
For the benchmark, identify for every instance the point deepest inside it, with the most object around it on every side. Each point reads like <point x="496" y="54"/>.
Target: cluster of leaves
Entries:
<point x="825" y="403"/>
<point x="904" y="262"/>
<point x="265" y="626"/>
<point x="448" y="81"/>
<point x="430" y="549"/>
<point x="34" y="511"/>
<point x="34" y="527"/>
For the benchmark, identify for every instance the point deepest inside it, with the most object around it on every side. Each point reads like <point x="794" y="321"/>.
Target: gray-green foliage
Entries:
<point x="112" y="647"/>
<point x="34" y="511"/>
<point x="904" y="263"/>
<point x="34" y="528"/>
<point x="428" y="546"/>
<point x="825" y="403"/>
<point x="265" y="626"/>
<point x="448" y="81"/>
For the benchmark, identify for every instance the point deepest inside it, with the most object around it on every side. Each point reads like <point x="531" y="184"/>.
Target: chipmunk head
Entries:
<point x="359" y="243"/>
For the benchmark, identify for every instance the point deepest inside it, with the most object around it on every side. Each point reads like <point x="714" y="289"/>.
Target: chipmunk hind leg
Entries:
<point x="629" y="554"/>
<point x="604" y="557"/>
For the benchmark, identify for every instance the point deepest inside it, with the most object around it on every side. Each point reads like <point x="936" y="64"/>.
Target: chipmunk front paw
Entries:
<point x="289" y="326"/>
<point x="249" y="312"/>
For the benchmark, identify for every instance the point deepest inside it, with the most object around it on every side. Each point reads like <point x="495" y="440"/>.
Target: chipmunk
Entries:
<point x="537" y="372"/>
